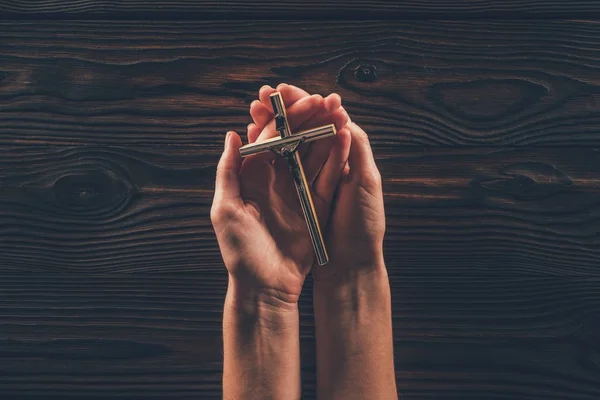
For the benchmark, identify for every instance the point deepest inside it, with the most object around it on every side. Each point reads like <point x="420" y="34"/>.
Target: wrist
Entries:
<point x="353" y="328"/>
<point x="353" y="288"/>
<point x="260" y="306"/>
<point x="340" y="273"/>
<point x="261" y="345"/>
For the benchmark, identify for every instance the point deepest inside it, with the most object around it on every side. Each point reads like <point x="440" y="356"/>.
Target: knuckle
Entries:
<point x="314" y="99"/>
<point x="215" y="215"/>
<point x="224" y="172"/>
<point x="362" y="136"/>
<point x="221" y="214"/>
<point x="372" y="178"/>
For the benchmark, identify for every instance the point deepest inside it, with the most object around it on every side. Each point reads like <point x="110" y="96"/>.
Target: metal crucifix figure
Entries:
<point x="286" y="145"/>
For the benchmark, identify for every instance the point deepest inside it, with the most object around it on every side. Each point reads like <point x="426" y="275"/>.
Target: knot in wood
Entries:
<point x="92" y="191"/>
<point x="366" y="73"/>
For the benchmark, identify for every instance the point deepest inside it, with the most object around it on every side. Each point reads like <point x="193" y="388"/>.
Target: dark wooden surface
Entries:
<point x="409" y="83"/>
<point x="298" y="9"/>
<point x="486" y="133"/>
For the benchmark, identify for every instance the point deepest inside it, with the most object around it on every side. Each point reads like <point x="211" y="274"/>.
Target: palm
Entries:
<point x="261" y="229"/>
<point x="274" y="225"/>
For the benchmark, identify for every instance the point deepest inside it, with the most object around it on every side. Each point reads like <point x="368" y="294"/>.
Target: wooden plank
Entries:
<point x="296" y="9"/>
<point x="408" y="83"/>
<point x="491" y="211"/>
<point x="159" y="336"/>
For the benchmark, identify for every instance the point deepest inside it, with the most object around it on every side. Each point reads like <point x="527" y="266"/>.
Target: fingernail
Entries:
<point x="227" y="137"/>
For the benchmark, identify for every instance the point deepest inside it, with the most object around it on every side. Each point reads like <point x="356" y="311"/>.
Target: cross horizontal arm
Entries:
<point x="278" y="142"/>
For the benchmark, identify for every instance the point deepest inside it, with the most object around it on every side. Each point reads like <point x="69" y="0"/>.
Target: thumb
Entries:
<point x="360" y="160"/>
<point x="227" y="184"/>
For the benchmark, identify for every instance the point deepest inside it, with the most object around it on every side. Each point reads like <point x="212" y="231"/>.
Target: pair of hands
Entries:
<point x="256" y="214"/>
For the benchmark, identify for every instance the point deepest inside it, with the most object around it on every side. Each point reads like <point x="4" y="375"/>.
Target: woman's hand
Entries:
<point x="356" y="228"/>
<point x="267" y="250"/>
<point x="351" y="294"/>
<point x="256" y="214"/>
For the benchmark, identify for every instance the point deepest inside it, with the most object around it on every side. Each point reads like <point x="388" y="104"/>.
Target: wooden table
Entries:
<point x="485" y="121"/>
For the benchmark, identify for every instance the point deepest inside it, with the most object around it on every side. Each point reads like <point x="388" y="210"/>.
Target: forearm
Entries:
<point x="354" y="338"/>
<point x="260" y="347"/>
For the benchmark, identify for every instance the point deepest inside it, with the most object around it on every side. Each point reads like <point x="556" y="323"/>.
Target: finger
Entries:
<point x="315" y="156"/>
<point x="301" y="111"/>
<point x="339" y="118"/>
<point x="360" y="160"/>
<point x="262" y="110"/>
<point x="227" y="183"/>
<point x="330" y="103"/>
<point x="333" y="102"/>
<point x="304" y="110"/>
<point x="253" y="132"/>
<point x="264" y="95"/>
<point x="329" y="177"/>
<point x="291" y="94"/>
<point x="317" y="152"/>
<point x="327" y="115"/>
<point x="260" y="114"/>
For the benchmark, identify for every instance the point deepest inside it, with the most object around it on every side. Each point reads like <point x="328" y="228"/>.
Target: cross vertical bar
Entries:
<point x="302" y="187"/>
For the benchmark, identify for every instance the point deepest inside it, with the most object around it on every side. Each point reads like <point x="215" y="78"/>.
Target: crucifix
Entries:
<point x="286" y="145"/>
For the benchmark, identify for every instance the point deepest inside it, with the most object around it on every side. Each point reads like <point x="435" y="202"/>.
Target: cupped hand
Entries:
<point x="354" y="225"/>
<point x="256" y="214"/>
<point x="356" y="228"/>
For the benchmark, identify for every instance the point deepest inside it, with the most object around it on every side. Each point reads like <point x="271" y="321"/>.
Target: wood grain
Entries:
<point x="408" y="83"/>
<point x="494" y="211"/>
<point x="158" y="336"/>
<point x="308" y="9"/>
<point x="486" y="134"/>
